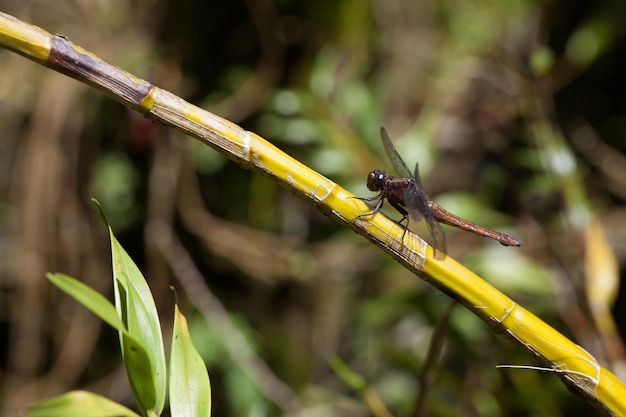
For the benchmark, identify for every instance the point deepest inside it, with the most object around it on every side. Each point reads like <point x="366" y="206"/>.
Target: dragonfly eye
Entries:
<point x="376" y="180"/>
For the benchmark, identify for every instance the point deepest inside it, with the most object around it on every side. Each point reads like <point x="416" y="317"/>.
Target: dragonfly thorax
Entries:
<point x="376" y="180"/>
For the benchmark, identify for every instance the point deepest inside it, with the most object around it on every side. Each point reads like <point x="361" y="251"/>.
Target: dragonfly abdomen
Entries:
<point x="445" y="217"/>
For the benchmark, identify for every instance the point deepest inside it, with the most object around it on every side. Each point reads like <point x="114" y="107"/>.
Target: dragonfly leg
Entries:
<point x="376" y="197"/>
<point x="405" y="216"/>
<point x="379" y="204"/>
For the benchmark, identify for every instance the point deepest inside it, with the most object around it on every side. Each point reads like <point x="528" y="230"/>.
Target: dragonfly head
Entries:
<point x="376" y="180"/>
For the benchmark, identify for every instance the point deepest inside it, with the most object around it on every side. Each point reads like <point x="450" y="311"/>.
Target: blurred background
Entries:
<point x="514" y="109"/>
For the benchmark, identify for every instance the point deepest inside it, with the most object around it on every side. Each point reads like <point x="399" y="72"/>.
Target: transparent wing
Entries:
<point x="398" y="164"/>
<point x="439" y="240"/>
<point x="418" y="208"/>
<point x="415" y="198"/>
<point x="434" y="228"/>
<point x="417" y="213"/>
<point x="415" y="202"/>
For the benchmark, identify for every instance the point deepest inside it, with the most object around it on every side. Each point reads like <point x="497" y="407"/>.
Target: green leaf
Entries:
<point x="136" y="307"/>
<point x="589" y="41"/>
<point x="91" y="299"/>
<point x="78" y="404"/>
<point x="142" y="345"/>
<point x="190" y="388"/>
<point x="541" y="60"/>
<point x="347" y="375"/>
<point x="133" y="351"/>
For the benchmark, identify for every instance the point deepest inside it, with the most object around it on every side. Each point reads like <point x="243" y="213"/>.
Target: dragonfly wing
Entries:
<point x="414" y="204"/>
<point x="434" y="228"/>
<point x="415" y="198"/>
<point x="398" y="164"/>
<point x="439" y="239"/>
<point x="419" y="210"/>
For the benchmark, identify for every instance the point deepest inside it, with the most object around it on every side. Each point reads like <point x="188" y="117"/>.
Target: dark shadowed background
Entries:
<point x="515" y="110"/>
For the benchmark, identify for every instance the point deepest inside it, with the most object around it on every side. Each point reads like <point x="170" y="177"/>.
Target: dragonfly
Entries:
<point x="406" y="194"/>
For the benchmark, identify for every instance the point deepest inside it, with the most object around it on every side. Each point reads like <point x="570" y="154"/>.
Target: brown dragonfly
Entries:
<point x="406" y="194"/>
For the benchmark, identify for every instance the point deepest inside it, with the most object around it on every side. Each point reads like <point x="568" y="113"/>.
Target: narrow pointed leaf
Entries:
<point x="142" y="346"/>
<point x="88" y="297"/>
<point x="147" y="375"/>
<point x="78" y="404"/>
<point x="190" y="388"/>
